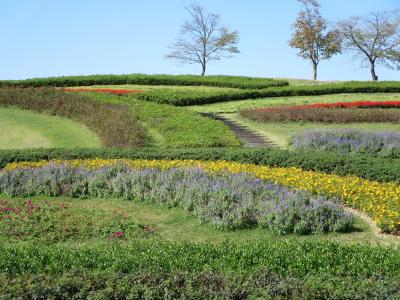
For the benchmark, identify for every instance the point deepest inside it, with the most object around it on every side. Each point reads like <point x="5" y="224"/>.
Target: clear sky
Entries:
<point x="42" y="38"/>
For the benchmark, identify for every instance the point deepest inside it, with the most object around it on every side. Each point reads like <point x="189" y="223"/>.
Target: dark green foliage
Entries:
<point x="191" y="98"/>
<point x="282" y="257"/>
<point x="143" y="79"/>
<point x="149" y="284"/>
<point x="379" y="169"/>
<point x="290" y="269"/>
<point x="115" y="124"/>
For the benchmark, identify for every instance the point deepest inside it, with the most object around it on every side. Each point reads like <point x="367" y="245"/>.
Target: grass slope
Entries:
<point x="170" y="126"/>
<point x="22" y="129"/>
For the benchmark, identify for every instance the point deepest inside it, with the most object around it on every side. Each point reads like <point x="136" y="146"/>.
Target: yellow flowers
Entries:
<point x="381" y="201"/>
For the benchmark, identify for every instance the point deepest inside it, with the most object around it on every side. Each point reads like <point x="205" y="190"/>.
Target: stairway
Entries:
<point x="247" y="136"/>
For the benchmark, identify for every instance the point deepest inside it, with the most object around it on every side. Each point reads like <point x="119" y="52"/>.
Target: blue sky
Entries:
<point x="42" y="38"/>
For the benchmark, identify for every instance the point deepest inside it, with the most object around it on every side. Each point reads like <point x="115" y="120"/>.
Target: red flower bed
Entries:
<point x="111" y="91"/>
<point x="356" y="104"/>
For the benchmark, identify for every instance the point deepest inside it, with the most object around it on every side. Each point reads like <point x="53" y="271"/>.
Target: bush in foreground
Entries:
<point x="153" y="270"/>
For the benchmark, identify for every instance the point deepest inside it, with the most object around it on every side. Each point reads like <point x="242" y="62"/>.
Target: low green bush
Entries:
<point x="150" y="284"/>
<point x="379" y="169"/>
<point x="287" y="269"/>
<point x="114" y="124"/>
<point x="143" y="79"/>
<point x="184" y="98"/>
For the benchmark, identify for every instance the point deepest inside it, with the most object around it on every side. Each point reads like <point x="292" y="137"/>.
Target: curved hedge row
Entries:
<point x="377" y="169"/>
<point x="184" y="98"/>
<point x="181" y="80"/>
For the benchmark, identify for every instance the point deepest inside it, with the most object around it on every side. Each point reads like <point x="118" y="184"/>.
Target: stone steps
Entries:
<point x="247" y="136"/>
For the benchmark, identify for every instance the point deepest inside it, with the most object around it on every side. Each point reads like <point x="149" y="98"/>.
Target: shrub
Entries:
<point x="115" y="124"/>
<point x="345" y="141"/>
<point x="229" y="201"/>
<point x="162" y="284"/>
<point x="326" y="115"/>
<point x="289" y="257"/>
<point x="143" y="79"/>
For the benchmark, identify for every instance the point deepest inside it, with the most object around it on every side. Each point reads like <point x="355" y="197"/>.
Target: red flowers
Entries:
<point x="111" y="91"/>
<point x="356" y="104"/>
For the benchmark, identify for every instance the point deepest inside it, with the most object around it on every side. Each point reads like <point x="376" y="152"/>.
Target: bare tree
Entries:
<point x="375" y="38"/>
<point x="311" y="37"/>
<point x="203" y="39"/>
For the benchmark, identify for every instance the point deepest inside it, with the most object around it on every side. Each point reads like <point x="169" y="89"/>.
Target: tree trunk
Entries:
<point x="203" y="69"/>
<point x="373" y="73"/>
<point x="315" y="71"/>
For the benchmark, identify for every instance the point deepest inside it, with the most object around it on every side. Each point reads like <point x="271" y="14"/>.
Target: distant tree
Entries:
<point x="375" y="38"/>
<point x="203" y="39"/>
<point x="311" y="37"/>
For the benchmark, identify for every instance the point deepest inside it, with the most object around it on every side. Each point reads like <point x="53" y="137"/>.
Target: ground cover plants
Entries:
<point x="379" y="200"/>
<point x="114" y="124"/>
<point x="383" y="144"/>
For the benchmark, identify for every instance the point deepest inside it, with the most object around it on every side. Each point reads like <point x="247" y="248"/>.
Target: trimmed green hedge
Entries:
<point x="182" y="80"/>
<point x="379" y="169"/>
<point x="184" y="98"/>
<point x="157" y="270"/>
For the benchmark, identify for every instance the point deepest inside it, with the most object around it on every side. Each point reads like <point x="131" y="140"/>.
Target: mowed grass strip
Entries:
<point x="21" y="129"/>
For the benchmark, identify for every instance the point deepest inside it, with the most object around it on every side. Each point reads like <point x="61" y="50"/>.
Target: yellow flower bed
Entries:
<point x="381" y="201"/>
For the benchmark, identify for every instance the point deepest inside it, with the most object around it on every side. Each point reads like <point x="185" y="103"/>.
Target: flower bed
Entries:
<point x="339" y="112"/>
<point x="346" y="141"/>
<point x="354" y="104"/>
<point x="109" y="91"/>
<point x="228" y="201"/>
<point x="381" y="201"/>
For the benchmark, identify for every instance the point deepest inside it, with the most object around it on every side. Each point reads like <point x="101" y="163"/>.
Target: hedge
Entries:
<point x="180" y="80"/>
<point x="184" y="98"/>
<point x="378" y="169"/>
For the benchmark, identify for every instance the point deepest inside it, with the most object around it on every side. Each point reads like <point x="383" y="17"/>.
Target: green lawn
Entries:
<point x="234" y="106"/>
<point x="27" y="129"/>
